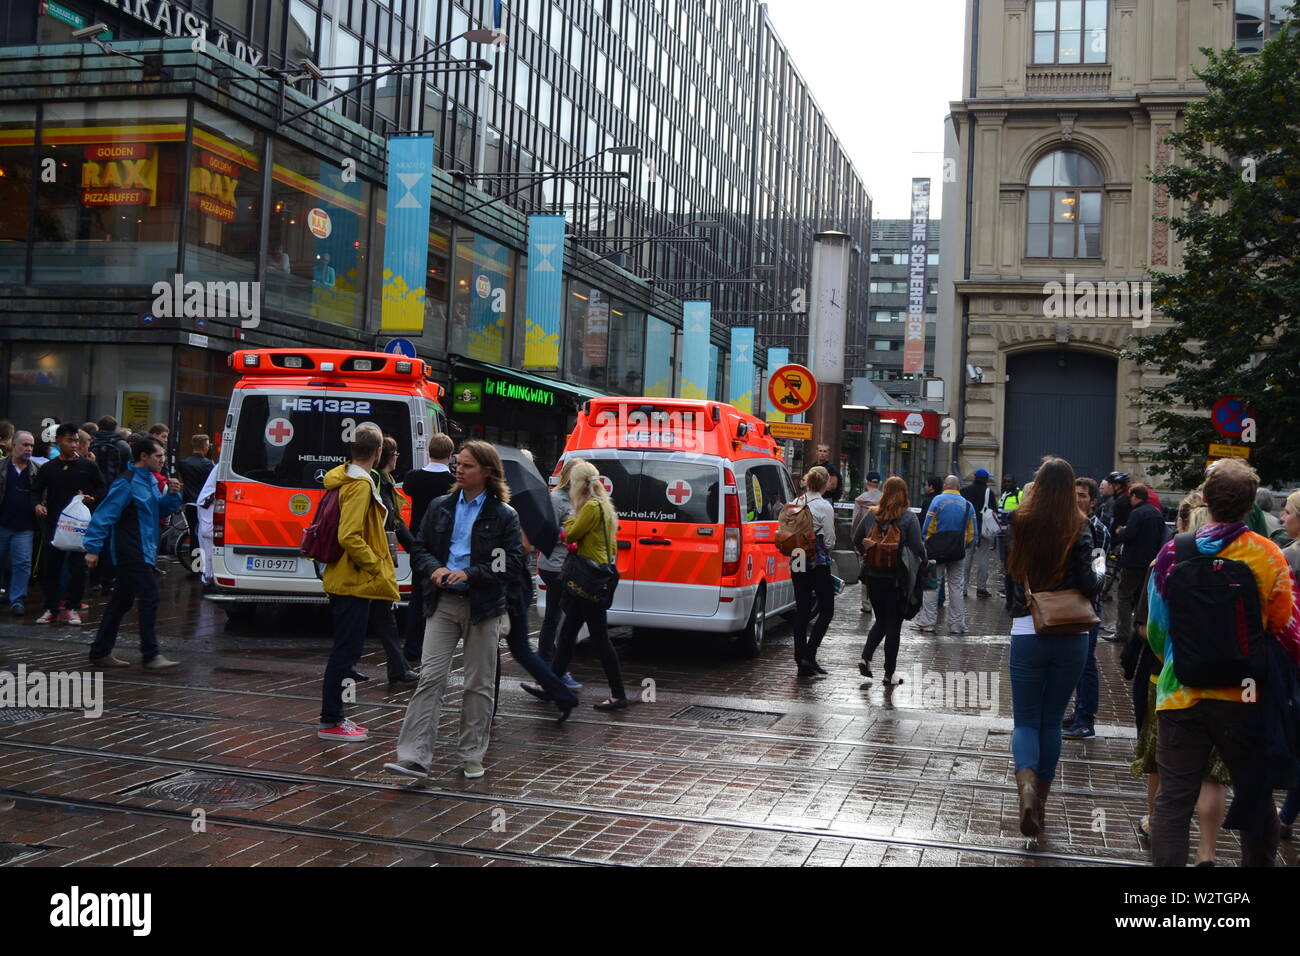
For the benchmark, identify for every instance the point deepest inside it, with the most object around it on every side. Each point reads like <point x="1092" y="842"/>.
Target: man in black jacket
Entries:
<point x="982" y="499"/>
<point x="467" y="553"/>
<point x="1142" y="534"/>
<point x="835" y="489"/>
<point x="53" y="489"/>
<point x="424" y="486"/>
<point x="1119" y="505"/>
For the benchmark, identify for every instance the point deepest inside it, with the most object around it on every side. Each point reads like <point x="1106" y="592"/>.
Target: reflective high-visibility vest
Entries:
<point x="1010" y="500"/>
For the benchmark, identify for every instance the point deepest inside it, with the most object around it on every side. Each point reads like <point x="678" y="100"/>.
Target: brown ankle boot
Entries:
<point x="1027" y="785"/>
<point x="1043" y="787"/>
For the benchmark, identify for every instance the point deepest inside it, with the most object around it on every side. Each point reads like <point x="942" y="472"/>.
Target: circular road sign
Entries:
<point x="1228" y="416"/>
<point x="792" y="389"/>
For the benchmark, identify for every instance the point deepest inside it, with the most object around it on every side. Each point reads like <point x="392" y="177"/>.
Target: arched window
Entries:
<point x="1064" y="207"/>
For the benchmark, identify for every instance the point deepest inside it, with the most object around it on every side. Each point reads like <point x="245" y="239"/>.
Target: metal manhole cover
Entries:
<point x="19" y="715"/>
<point x="213" y="790"/>
<point x="13" y="852"/>
<point x="728" y="717"/>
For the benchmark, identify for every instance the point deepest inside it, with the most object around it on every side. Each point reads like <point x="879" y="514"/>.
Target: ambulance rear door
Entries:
<point x="679" y="539"/>
<point x="283" y="445"/>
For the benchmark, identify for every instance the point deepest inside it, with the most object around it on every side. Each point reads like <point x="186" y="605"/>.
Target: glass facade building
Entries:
<point x="174" y="160"/>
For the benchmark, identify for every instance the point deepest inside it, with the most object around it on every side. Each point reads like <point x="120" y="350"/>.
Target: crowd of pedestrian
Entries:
<point x="85" y="513"/>
<point x="1207" y="614"/>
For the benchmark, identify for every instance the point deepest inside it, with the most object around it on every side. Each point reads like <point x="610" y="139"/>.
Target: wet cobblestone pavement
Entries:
<point x="729" y="761"/>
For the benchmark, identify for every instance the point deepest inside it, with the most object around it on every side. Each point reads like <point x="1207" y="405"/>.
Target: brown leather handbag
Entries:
<point x="1060" y="612"/>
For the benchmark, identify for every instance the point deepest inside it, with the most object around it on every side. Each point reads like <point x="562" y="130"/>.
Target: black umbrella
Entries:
<point x="531" y="497"/>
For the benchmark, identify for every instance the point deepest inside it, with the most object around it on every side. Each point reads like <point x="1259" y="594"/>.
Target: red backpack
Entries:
<point x="320" y="539"/>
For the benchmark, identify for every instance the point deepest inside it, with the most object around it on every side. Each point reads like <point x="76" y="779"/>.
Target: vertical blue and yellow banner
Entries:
<point x="545" y="300"/>
<point x="775" y="359"/>
<point x="741" y="393"/>
<point x="489" y="297"/>
<point x="406" y="233"/>
<point x="697" y="316"/>
<point x="658" y="358"/>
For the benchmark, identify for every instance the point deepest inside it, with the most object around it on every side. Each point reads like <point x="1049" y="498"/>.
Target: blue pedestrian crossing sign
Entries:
<point x="400" y="347"/>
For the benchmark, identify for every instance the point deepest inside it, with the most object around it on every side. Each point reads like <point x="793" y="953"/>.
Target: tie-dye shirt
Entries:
<point x="1276" y="600"/>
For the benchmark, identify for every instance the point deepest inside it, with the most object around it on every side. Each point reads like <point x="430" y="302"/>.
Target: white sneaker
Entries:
<point x="473" y="770"/>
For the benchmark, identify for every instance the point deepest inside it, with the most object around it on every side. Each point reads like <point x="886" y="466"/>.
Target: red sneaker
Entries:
<point x="70" y="617"/>
<point x="345" y="732"/>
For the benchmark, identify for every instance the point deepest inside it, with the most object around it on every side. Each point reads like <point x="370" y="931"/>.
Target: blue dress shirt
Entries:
<point x="467" y="513"/>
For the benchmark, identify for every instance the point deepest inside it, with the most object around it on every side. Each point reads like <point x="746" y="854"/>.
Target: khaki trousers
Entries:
<point x="449" y="625"/>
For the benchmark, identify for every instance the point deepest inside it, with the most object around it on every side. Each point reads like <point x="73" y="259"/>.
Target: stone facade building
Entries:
<point x="1066" y="106"/>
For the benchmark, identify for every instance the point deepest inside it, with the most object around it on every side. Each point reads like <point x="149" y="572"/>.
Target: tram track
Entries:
<point x="293" y="829"/>
<point x="539" y="804"/>
<point x="685" y="727"/>
<point x="892" y="777"/>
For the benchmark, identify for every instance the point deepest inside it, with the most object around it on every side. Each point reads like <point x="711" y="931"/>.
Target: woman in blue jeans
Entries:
<point x="1050" y="547"/>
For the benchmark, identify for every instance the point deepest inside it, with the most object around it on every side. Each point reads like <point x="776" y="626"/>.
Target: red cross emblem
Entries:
<point x="279" y="431"/>
<point x="609" y="485"/>
<point x="679" y="492"/>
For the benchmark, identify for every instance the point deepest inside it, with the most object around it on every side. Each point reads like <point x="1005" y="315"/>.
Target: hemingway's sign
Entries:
<point x="175" y="20"/>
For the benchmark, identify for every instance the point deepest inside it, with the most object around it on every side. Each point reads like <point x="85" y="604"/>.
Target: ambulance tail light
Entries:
<point x="219" y="516"/>
<point x="731" y="525"/>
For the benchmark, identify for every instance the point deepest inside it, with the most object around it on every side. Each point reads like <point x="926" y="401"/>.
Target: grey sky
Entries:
<point x="884" y="73"/>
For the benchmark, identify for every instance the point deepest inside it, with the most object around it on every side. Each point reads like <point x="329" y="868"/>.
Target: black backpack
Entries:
<point x="1215" y="622"/>
<point x="109" y="458"/>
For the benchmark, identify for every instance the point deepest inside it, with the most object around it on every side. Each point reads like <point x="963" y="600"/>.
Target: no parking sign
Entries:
<point x="1228" y="416"/>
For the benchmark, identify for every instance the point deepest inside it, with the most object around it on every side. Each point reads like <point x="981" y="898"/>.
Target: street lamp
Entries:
<point x="642" y="240"/>
<point x="566" y="171"/>
<point x="152" y="63"/>
<point x="454" y="66"/>
<point x="728" y="279"/>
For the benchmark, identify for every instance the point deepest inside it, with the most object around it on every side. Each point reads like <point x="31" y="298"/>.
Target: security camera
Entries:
<point x="311" y="69"/>
<point x="975" y="373"/>
<point x="94" y="30"/>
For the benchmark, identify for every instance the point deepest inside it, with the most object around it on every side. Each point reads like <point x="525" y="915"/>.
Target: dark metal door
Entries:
<point x="1059" y="403"/>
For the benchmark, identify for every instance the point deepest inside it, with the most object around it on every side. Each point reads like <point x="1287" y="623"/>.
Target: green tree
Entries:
<point x="1235" y="307"/>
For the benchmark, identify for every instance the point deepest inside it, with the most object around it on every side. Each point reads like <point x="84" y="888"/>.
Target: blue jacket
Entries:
<point x="950" y="512"/>
<point x="130" y="514"/>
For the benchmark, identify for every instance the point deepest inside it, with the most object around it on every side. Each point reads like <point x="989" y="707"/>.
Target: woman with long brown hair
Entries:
<point x="879" y="539"/>
<point x="1050" y="549"/>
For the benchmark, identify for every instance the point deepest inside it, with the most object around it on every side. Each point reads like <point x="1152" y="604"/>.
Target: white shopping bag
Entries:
<point x="70" y="532"/>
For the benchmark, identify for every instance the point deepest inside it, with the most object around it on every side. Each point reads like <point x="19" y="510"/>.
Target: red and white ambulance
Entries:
<point x="698" y="486"/>
<point x="291" y="419"/>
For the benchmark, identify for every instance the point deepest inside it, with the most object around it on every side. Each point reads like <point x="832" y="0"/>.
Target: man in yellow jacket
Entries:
<point x="360" y="583"/>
